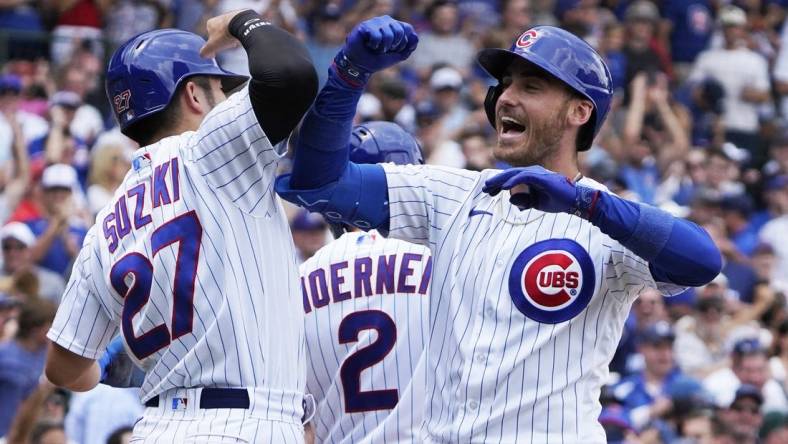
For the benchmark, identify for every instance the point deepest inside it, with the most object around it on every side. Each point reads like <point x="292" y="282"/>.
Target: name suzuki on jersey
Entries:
<point x="162" y="189"/>
<point x="365" y="276"/>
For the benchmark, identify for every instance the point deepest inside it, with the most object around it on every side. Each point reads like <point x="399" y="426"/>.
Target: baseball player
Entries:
<point x="370" y="293"/>
<point x="534" y="268"/>
<point x="193" y="260"/>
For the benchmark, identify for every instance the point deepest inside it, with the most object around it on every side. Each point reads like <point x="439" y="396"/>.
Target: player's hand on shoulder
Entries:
<point x="379" y="43"/>
<point x="219" y="37"/>
<point x="539" y="188"/>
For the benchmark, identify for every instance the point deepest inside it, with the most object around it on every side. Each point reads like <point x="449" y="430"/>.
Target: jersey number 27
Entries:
<point x="185" y="230"/>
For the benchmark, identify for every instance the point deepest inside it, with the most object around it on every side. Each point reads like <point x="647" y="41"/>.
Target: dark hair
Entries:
<point x="115" y="437"/>
<point x="149" y="129"/>
<point x="430" y="11"/>
<point x="35" y="313"/>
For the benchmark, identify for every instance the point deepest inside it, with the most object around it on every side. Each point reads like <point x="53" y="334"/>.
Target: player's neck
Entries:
<point x="563" y="161"/>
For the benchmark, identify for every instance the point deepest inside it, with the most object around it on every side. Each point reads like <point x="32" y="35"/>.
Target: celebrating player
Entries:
<point x="534" y="268"/>
<point x="367" y="376"/>
<point x="193" y="260"/>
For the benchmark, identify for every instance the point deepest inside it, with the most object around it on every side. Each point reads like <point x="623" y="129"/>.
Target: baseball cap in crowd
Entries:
<point x="740" y="203"/>
<point x="616" y="424"/>
<point x="446" y="78"/>
<point x="18" y="231"/>
<point x="732" y="16"/>
<point x="657" y="333"/>
<point x="330" y="12"/>
<point x="10" y="83"/>
<point x="66" y="99"/>
<point x="306" y="221"/>
<point x="747" y="346"/>
<point x="777" y="182"/>
<point x="394" y="88"/>
<point x="748" y="391"/>
<point x="641" y="10"/>
<point x="59" y="175"/>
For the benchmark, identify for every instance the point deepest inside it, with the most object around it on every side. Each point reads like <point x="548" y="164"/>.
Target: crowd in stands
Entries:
<point x="699" y="127"/>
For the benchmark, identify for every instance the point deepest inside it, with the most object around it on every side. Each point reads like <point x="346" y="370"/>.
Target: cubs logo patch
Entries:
<point x="527" y="38"/>
<point x="121" y="101"/>
<point x="552" y="281"/>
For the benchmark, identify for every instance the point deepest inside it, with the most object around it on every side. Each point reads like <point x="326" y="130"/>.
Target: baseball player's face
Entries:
<point x="531" y="115"/>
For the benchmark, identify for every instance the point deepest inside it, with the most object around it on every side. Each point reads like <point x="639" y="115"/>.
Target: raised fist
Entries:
<point x="374" y="45"/>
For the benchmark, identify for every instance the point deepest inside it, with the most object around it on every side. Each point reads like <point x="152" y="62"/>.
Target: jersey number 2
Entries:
<point x="355" y="400"/>
<point x="187" y="232"/>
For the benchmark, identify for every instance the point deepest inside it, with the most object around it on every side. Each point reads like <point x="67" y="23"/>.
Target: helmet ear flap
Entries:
<point x="493" y="93"/>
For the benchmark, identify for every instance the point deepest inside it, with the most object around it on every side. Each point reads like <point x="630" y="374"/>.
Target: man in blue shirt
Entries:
<point x="645" y="394"/>
<point x="58" y="239"/>
<point x="22" y="359"/>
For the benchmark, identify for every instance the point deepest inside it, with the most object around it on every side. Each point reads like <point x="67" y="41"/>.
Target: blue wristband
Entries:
<point x="350" y="73"/>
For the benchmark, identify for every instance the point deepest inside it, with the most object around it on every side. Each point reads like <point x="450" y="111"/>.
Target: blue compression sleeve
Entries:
<point x="678" y="251"/>
<point x="321" y="153"/>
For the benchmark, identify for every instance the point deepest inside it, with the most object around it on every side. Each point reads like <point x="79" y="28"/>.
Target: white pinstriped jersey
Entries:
<point x="526" y="309"/>
<point x="365" y="299"/>
<point x="193" y="260"/>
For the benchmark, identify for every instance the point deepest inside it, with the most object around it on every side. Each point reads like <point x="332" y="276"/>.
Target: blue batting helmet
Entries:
<point x="144" y="73"/>
<point x="564" y="56"/>
<point x="379" y="142"/>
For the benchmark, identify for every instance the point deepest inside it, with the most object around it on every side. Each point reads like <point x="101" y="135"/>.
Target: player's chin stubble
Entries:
<point x="540" y="140"/>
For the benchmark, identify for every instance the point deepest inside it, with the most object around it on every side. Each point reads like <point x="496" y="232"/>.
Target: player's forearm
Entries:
<point x="678" y="250"/>
<point x="284" y="81"/>
<point x="71" y="371"/>
<point x="321" y="153"/>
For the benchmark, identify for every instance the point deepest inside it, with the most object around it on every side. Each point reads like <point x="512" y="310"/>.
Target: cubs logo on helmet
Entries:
<point x="527" y="38"/>
<point x="552" y="281"/>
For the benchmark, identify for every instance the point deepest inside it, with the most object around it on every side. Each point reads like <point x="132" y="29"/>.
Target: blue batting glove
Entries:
<point x="117" y="368"/>
<point x="374" y="45"/>
<point x="547" y="191"/>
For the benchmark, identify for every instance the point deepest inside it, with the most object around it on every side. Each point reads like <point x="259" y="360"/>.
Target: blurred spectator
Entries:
<point x="655" y="133"/>
<point x="743" y="414"/>
<point x="743" y="75"/>
<point x="688" y="24"/>
<point x="642" y="49"/>
<point x="96" y="414"/>
<point x="22" y="359"/>
<point x="778" y="156"/>
<point x="647" y="310"/>
<point x="618" y="428"/>
<point x="48" y="433"/>
<point x="778" y="363"/>
<point x="327" y="39"/>
<point x="394" y="106"/>
<point x="696" y="426"/>
<point x="108" y="167"/>
<point x="120" y="436"/>
<point x="704" y="101"/>
<point x="611" y="48"/>
<point x="773" y="232"/>
<point x="310" y="233"/>
<point x="77" y="24"/>
<point x="516" y="18"/>
<point x="737" y="211"/>
<point x="476" y="150"/>
<point x="749" y="368"/>
<point x="123" y="19"/>
<point x="441" y="44"/>
<point x="644" y="393"/>
<point x="17" y="239"/>
<point x="14" y="159"/>
<point x="81" y="77"/>
<point x="774" y="428"/>
<point x="9" y="312"/>
<point x="58" y="237"/>
<point x="446" y="84"/>
<point x="60" y="145"/>
<point x="700" y="337"/>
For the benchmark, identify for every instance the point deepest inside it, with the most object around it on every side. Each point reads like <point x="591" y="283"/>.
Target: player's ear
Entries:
<point x="194" y="98"/>
<point x="580" y="111"/>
